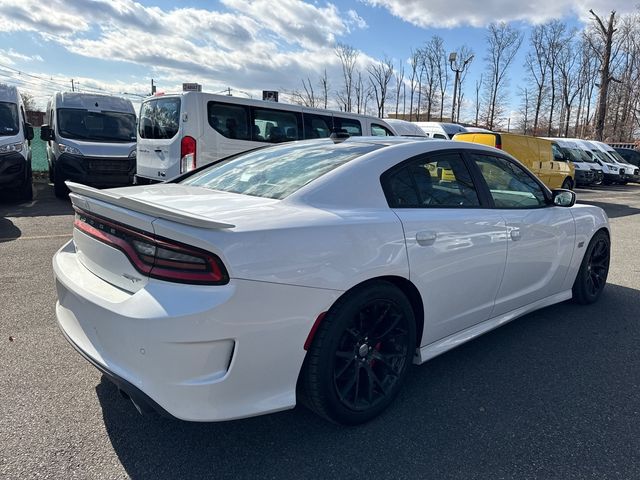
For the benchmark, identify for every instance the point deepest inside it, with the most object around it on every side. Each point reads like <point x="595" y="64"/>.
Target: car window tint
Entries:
<point x="510" y="185"/>
<point x="352" y="127"/>
<point x="441" y="181"/>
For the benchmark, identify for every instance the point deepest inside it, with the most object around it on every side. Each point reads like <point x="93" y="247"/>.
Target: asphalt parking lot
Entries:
<point x="553" y="395"/>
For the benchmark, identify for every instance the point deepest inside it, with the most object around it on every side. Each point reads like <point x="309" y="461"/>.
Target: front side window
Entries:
<point x="9" y="124"/>
<point x="441" y="181"/>
<point x="279" y="171"/>
<point x="510" y="185"/>
<point x="380" y="131"/>
<point x="159" y="118"/>
<point x="101" y="126"/>
<point x="229" y="120"/>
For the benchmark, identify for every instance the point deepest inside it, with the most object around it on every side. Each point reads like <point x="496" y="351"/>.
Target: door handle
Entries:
<point x="515" y="234"/>
<point x="425" y="239"/>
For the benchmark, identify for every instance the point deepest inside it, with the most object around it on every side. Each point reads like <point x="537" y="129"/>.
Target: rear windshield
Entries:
<point x="277" y="172"/>
<point x="160" y="118"/>
<point x="9" y="124"/>
<point x="96" y="126"/>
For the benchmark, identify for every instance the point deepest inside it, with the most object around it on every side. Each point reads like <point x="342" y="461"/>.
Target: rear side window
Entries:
<point x="159" y="118"/>
<point x="441" y="181"/>
<point x="317" y="126"/>
<point x="229" y="120"/>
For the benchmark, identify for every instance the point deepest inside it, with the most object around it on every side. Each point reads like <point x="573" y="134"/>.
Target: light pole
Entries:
<point x="452" y="60"/>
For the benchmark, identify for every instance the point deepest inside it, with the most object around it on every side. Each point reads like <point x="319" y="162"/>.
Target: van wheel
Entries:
<point x="60" y="189"/>
<point x="360" y="355"/>
<point x="26" y="191"/>
<point x="567" y="184"/>
<point x="52" y="175"/>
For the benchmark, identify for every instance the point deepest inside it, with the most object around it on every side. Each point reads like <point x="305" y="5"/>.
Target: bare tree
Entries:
<point x="324" y="88"/>
<point x="29" y="101"/>
<point x="380" y="74"/>
<point x="479" y="84"/>
<point x="348" y="56"/>
<point x="504" y="42"/>
<point x="568" y="69"/>
<point x="526" y="94"/>
<point x="417" y="64"/>
<point x="463" y="61"/>
<point x="399" y="79"/>
<point x="430" y="61"/>
<point x="440" y="68"/>
<point x="602" y="46"/>
<point x="537" y="65"/>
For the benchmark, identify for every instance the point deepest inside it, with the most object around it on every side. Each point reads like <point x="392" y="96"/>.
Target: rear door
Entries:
<point x="159" y="136"/>
<point x="540" y="237"/>
<point x="455" y="245"/>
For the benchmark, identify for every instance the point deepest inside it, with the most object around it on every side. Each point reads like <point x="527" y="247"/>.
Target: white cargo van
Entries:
<point x="610" y="171"/>
<point x="91" y="139"/>
<point x="180" y="132"/>
<point x="15" y="144"/>
<point x="406" y="129"/>
<point x="585" y="172"/>
<point x="629" y="172"/>
<point x="440" y="130"/>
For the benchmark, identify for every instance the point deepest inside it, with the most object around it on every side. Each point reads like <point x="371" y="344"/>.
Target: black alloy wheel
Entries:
<point x="592" y="276"/>
<point x="360" y="355"/>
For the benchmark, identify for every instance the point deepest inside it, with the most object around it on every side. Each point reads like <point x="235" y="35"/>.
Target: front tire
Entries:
<point x="568" y="184"/>
<point x="594" y="269"/>
<point x="360" y="355"/>
<point x="26" y="191"/>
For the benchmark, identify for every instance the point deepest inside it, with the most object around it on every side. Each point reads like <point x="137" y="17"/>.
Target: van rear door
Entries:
<point x="159" y="137"/>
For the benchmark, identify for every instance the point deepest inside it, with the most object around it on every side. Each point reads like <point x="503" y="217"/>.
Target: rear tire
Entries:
<point x="568" y="184"/>
<point x="360" y="355"/>
<point x="594" y="269"/>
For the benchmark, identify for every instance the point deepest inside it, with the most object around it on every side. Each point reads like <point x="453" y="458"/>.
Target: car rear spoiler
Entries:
<point x="142" y="206"/>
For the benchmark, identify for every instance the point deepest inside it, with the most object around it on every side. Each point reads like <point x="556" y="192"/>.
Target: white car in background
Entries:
<point x="631" y="172"/>
<point x="440" y="130"/>
<point x="315" y="270"/>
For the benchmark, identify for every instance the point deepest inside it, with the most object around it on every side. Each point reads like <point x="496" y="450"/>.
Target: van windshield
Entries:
<point x="9" y="124"/>
<point x="159" y="118"/>
<point x="80" y="124"/>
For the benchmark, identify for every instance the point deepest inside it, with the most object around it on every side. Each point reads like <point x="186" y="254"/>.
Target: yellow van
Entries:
<point x="543" y="157"/>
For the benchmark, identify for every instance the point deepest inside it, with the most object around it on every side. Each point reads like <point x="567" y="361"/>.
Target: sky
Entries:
<point x="118" y="46"/>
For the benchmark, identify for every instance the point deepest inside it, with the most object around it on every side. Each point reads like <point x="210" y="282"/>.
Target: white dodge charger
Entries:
<point x="315" y="271"/>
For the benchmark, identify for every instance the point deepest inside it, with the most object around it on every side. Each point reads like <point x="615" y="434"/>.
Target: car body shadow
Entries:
<point x="614" y="210"/>
<point x="544" y="396"/>
<point x="8" y="231"/>
<point x="44" y="203"/>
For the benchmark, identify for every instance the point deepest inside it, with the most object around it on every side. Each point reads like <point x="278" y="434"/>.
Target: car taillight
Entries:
<point x="155" y="256"/>
<point x="499" y="146"/>
<point x="187" y="154"/>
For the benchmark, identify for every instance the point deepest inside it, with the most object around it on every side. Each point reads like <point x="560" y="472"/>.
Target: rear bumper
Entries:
<point x="13" y="167"/>
<point x="197" y="353"/>
<point x="96" y="171"/>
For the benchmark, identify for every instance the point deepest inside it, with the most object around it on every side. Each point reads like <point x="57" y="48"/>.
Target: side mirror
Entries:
<point x="46" y="133"/>
<point x="563" y="198"/>
<point x="28" y="132"/>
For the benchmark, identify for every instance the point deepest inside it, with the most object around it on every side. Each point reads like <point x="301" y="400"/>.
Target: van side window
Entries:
<point x="317" y="126"/>
<point x="352" y="127"/>
<point x="275" y="126"/>
<point x="229" y="120"/>
<point x="439" y="135"/>
<point x="380" y="131"/>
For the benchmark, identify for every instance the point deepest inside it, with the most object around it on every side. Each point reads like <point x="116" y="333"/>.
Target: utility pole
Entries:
<point x="452" y="60"/>
<point x="73" y="89"/>
<point x="153" y="88"/>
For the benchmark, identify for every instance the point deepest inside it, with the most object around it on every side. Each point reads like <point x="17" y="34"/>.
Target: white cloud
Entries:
<point x="442" y="13"/>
